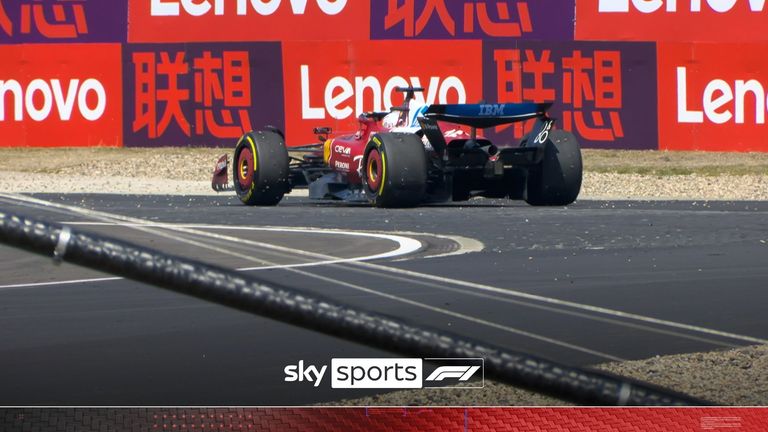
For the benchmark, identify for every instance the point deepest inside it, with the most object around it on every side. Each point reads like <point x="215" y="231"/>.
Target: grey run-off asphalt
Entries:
<point x="597" y="281"/>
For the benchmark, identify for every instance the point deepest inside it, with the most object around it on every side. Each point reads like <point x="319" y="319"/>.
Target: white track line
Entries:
<point x="549" y="300"/>
<point x="65" y="282"/>
<point x="439" y="279"/>
<point x="506" y="299"/>
<point x="467" y="245"/>
<point x="518" y="294"/>
<point x="639" y="326"/>
<point x="139" y="226"/>
<point x="465" y="317"/>
<point x="405" y="246"/>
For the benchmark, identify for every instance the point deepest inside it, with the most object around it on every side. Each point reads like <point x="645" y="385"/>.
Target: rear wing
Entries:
<point x="483" y="116"/>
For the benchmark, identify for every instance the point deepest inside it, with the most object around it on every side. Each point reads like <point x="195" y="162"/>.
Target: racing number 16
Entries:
<point x="541" y="138"/>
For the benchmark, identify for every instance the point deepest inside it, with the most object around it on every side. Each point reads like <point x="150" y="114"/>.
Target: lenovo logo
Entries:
<point x="339" y="92"/>
<point x="721" y="101"/>
<point x="651" y="6"/>
<point x="39" y="99"/>
<point x="242" y="7"/>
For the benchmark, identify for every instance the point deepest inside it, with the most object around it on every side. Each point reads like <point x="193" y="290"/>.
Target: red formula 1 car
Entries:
<point x="409" y="156"/>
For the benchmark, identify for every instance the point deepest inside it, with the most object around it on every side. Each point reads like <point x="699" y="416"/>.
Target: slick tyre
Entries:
<point x="395" y="170"/>
<point x="557" y="180"/>
<point x="261" y="168"/>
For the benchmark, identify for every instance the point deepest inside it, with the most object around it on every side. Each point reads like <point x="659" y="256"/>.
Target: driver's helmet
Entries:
<point x="390" y="120"/>
<point x="415" y="110"/>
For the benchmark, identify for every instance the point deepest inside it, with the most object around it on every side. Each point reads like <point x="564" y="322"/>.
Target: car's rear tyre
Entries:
<point x="395" y="170"/>
<point x="557" y="180"/>
<point x="261" y="168"/>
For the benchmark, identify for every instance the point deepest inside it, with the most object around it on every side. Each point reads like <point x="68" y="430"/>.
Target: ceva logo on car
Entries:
<point x="261" y="7"/>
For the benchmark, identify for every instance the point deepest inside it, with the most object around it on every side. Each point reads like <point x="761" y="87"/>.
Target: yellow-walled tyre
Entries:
<point x="395" y="170"/>
<point x="261" y="168"/>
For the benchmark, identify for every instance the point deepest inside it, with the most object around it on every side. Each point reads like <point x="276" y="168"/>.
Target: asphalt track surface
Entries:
<point x="597" y="281"/>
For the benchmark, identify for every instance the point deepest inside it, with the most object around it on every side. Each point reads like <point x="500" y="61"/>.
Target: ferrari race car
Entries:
<point x="410" y="156"/>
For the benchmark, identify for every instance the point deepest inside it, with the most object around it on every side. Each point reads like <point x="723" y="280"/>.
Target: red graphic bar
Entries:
<point x="387" y="419"/>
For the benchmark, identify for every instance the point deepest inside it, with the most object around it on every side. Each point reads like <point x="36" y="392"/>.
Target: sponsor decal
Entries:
<point x="472" y="19"/>
<point x="712" y="97"/>
<point x="390" y="373"/>
<point x="344" y="166"/>
<point x="359" y="160"/>
<point x="200" y="94"/>
<point x="219" y="7"/>
<point x="343" y="150"/>
<point x="602" y="92"/>
<point x="60" y="95"/>
<point x="647" y="7"/>
<point x="326" y="90"/>
<point x="57" y="99"/>
<point x="247" y="20"/>
<point x="339" y="89"/>
<point x="491" y="110"/>
<point x="672" y="20"/>
<point x="36" y="21"/>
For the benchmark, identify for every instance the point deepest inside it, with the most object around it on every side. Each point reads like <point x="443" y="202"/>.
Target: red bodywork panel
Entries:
<point x="347" y="151"/>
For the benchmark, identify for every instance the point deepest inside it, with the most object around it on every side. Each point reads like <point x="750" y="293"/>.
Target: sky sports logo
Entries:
<point x="389" y="373"/>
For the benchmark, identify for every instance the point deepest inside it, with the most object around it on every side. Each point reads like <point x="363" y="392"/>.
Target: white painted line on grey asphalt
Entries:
<point x="405" y="246"/>
<point x="465" y="317"/>
<point x="521" y="294"/>
<point x="467" y="245"/>
<point x="516" y="293"/>
<point x="138" y="225"/>
<point x="64" y="282"/>
<point x="450" y="281"/>
<point x="574" y="305"/>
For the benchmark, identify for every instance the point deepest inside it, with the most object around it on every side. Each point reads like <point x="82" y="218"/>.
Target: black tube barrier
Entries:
<point x="226" y="287"/>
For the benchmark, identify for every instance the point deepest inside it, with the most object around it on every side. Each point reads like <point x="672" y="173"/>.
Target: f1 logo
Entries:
<point x="463" y="373"/>
<point x="454" y="372"/>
